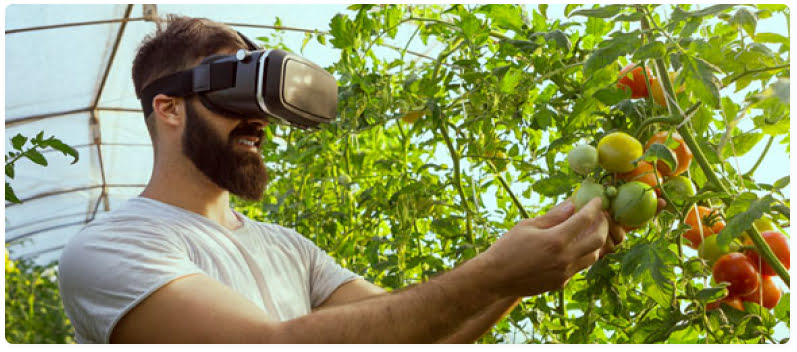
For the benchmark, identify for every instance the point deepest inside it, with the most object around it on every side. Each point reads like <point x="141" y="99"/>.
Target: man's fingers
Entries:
<point x="616" y="232"/>
<point x="555" y="216"/>
<point x="584" y="262"/>
<point x="661" y="205"/>
<point x="582" y="219"/>
<point x="591" y="237"/>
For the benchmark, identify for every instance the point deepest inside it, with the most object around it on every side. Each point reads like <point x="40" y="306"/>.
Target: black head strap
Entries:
<point x="203" y="78"/>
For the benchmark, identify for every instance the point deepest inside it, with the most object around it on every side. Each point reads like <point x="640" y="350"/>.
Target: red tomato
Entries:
<point x="736" y="269"/>
<point x="683" y="154"/>
<point x="779" y="245"/>
<point x="767" y="294"/>
<point x="711" y="224"/>
<point x="634" y="81"/>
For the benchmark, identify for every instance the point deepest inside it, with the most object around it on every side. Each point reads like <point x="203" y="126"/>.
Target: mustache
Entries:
<point x="247" y="130"/>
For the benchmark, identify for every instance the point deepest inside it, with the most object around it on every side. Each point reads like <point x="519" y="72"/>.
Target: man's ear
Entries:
<point x="169" y="110"/>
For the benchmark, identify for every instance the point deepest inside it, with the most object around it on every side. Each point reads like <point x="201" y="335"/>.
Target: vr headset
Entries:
<point x="272" y="84"/>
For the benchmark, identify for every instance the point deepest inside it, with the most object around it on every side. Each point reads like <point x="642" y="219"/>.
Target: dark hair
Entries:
<point x="180" y="46"/>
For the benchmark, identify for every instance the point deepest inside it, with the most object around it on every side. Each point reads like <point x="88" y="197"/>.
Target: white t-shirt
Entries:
<point x="116" y="262"/>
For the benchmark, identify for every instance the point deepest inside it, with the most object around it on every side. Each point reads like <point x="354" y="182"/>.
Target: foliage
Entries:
<point x="34" y="312"/>
<point x="32" y="153"/>
<point x="404" y="184"/>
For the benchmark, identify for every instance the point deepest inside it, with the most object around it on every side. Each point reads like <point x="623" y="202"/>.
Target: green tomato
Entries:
<point x="679" y="189"/>
<point x="587" y="191"/>
<point x="764" y="223"/>
<point x="583" y="159"/>
<point x="611" y="191"/>
<point x="635" y="204"/>
<point x="710" y="250"/>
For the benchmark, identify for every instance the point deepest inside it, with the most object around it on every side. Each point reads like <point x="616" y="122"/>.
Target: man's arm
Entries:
<point x="526" y="261"/>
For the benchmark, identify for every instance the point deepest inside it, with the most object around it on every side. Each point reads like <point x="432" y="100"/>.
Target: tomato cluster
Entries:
<point x="748" y="276"/>
<point x="628" y="195"/>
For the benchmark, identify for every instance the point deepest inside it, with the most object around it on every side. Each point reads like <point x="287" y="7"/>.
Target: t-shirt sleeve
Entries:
<point x="325" y="274"/>
<point x="107" y="270"/>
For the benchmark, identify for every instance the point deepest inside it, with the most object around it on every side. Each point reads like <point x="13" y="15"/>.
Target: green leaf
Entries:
<point x="699" y="76"/>
<point x="553" y="186"/>
<point x="781" y="89"/>
<point x="746" y="19"/>
<point x="652" y="262"/>
<point x="601" y="12"/>
<point x="10" y="196"/>
<point x="711" y="294"/>
<point x="742" y="220"/>
<point x="10" y="170"/>
<point x="322" y="39"/>
<point x="741" y="144"/>
<point x="630" y="17"/>
<point x="569" y="9"/>
<point x="18" y="141"/>
<point x="782" y="182"/>
<point x="36" y="157"/>
<point x="560" y="38"/>
<point x="66" y="149"/>
<point x="510" y="80"/>
<point x="773" y="38"/>
<point x="611" y="95"/>
<point x="342" y="31"/>
<point x="654" y="50"/>
<point x="621" y="45"/>
<point x="503" y="15"/>
<point x="307" y="37"/>
<point x="711" y="10"/>
<point x="660" y="152"/>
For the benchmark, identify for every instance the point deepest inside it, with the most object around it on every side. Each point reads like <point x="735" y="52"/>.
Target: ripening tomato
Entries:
<point x="634" y="205"/>
<point x="632" y="78"/>
<point x="643" y="172"/>
<point x="767" y="295"/>
<point x="413" y="116"/>
<point x="737" y="270"/>
<point x="683" y="155"/>
<point x="657" y="90"/>
<point x="617" y="151"/>
<point x="710" y="223"/>
<point x="779" y="244"/>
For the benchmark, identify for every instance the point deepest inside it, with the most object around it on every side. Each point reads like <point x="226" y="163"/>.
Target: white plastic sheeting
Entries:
<point x="56" y="82"/>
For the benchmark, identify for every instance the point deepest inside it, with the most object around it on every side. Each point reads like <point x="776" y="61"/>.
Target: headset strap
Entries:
<point x="203" y="78"/>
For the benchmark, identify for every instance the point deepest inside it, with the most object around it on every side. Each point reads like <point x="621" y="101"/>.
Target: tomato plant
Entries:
<point x="533" y="81"/>
<point x="738" y="271"/>
<point x="780" y="246"/>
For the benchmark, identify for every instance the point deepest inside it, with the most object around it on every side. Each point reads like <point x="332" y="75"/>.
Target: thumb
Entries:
<point x="555" y="216"/>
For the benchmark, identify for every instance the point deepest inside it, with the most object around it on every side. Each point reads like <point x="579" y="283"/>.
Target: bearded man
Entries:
<point x="178" y="264"/>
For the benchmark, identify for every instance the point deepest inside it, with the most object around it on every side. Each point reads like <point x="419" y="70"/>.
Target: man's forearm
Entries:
<point x="424" y="313"/>
<point x="472" y="329"/>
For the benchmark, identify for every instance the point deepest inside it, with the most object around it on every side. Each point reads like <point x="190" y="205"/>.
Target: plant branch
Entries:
<point x="755" y="70"/>
<point x="760" y="158"/>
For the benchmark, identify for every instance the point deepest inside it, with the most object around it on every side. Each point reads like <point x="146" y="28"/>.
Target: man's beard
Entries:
<point x="242" y="173"/>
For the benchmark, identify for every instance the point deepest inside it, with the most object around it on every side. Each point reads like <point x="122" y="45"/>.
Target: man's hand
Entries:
<point x="617" y="232"/>
<point x="543" y="253"/>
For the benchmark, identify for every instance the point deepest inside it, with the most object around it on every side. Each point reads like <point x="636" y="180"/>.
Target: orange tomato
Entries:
<point x="709" y="221"/>
<point x="683" y="155"/>
<point x="632" y="78"/>
<point x="645" y="173"/>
